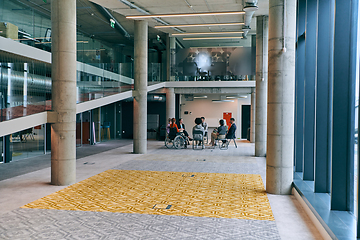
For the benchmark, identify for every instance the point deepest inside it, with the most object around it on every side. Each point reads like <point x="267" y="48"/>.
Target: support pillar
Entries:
<point x="170" y="103"/>
<point x="281" y="87"/>
<point x="299" y="87"/>
<point x="171" y="57"/>
<point x="343" y="104"/>
<point x="252" y="117"/>
<point x="309" y="87"/>
<point x="262" y="38"/>
<point x="325" y="59"/>
<point x="140" y="86"/>
<point x="63" y="71"/>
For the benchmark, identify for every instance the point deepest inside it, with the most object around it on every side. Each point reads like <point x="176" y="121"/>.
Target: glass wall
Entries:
<point x="2" y="160"/>
<point x="25" y="89"/>
<point x="28" y="143"/>
<point x="215" y="64"/>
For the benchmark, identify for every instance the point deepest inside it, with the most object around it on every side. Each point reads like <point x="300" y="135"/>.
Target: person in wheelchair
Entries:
<point x="219" y="133"/>
<point x="174" y="130"/>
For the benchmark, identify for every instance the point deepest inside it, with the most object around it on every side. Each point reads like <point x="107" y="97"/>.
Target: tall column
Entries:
<point x="343" y="105"/>
<point x="299" y="87"/>
<point x="170" y="103"/>
<point x="140" y="86"/>
<point x="262" y="38"/>
<point x="252" y="117"/>
<point x="170" y="58"/>
<point x="309" y="87"/>
<point x="325" y="59"/>
<point x="63" y="71"/>
<point x="281" y="87"/>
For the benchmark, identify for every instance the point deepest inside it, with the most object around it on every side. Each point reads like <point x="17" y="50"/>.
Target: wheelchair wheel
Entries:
<point x="179" y="142"/>
<point x="168" y="143"/>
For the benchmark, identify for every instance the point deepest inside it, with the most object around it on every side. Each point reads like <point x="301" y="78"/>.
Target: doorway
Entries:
<point x="226" y="117"/>
<point x="245" y="120"/>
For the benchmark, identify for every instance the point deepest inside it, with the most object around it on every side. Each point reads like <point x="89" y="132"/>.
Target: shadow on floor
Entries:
<point x="20" y="167"/>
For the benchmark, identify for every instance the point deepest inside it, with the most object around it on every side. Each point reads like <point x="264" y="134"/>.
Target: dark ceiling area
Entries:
<point x="94" y="21"/>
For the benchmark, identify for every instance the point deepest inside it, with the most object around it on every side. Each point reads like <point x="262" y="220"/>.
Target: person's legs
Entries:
<point x="213" y="137"/>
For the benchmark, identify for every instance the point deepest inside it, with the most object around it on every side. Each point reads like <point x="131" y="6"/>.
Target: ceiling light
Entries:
<point x="206" y="33"/>
<point x="219" y="46"/>
<point x="211" y="38"/>
<point x="200" y="97"/>
<point x="250" y="8"/>
<point x="185" y="15"/>
<point x="222" y="101"/>
<point x="199" y="25"/>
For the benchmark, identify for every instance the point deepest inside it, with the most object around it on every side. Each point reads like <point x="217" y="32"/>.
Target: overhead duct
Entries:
<point x="133" y="6"/>
<point x="249" y="9"/>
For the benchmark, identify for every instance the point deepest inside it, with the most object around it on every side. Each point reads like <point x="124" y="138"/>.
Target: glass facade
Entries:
<point x="326" y="115"/>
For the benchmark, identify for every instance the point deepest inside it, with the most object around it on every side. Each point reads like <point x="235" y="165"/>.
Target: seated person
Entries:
<point x="173" y="129"/>
<point x="182" y="128"/>
<point x="205" y="125"/>
<point x="198" y="130"/>
<point x="168" y="126"/>
<point x="232" y="129"/>
<point x="219" y="133"/>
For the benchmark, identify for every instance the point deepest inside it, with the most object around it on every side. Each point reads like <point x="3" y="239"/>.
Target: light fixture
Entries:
<point x="217" y="101"/>
<point x="211" y="38"/>
<point x="199" y="25"/>
<point x="200" y="97"/>
<point x="185" y="15"/>
<point x="219" y="46"/>
<point x="50" y="42"/>
<point x="206" y="33"/>
<point x="250" y="8"/>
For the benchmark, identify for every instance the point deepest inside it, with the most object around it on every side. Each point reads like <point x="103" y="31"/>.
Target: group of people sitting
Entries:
<point x="201" y="127"/>
<point x="222" y="132"/>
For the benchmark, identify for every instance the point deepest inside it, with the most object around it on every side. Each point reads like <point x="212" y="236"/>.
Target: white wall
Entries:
<point x="212" y="112"/>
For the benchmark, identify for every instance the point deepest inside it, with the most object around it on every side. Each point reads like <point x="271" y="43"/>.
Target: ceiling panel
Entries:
<point x="92" y="22"/>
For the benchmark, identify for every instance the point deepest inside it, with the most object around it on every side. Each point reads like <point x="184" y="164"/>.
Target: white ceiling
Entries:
<point x="181" y="6"/>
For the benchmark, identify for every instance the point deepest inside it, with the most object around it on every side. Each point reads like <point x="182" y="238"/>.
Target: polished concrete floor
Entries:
<point x="165" y="194"/>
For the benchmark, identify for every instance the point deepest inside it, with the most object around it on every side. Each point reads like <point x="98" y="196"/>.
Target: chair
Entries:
<point x="198" y="136"/>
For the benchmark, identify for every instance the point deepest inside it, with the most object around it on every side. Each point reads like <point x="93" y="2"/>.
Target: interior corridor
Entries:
<point x="165" y="194"/>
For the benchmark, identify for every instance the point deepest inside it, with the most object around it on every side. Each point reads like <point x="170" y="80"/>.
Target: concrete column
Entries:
<point x="262" y="38"/>
<point x="170" y="103"/>
<point x="63" y="71"/>
<point x="171" y="57"/>
<point x="252" y="117"/>
<point x="140" y="86"/>
<point x="281" y="90"/>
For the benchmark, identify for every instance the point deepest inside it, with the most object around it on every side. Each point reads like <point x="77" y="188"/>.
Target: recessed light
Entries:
<point x="206" y="33"/>
<point x="199" y="25"/>
<point x="185" y="15"/>
<point x="211" y="38"/>
<point x="217" y="101"/>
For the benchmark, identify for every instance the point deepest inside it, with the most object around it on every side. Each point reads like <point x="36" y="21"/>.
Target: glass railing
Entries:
<point x="25" y="88"/>
<point x="209" y="77"/>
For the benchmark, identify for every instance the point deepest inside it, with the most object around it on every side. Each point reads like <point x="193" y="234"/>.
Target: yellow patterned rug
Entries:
<point x="219" y="195"/>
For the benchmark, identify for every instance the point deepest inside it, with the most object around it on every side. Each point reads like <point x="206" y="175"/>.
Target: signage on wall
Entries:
<point x="112" y="23"/>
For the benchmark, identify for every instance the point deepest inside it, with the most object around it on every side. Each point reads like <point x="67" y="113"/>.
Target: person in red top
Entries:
<point x="173" y="129"/>
<point x="173" y="124"/>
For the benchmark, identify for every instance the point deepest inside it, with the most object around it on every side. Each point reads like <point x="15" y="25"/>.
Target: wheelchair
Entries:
<point x="178" y="142"/>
